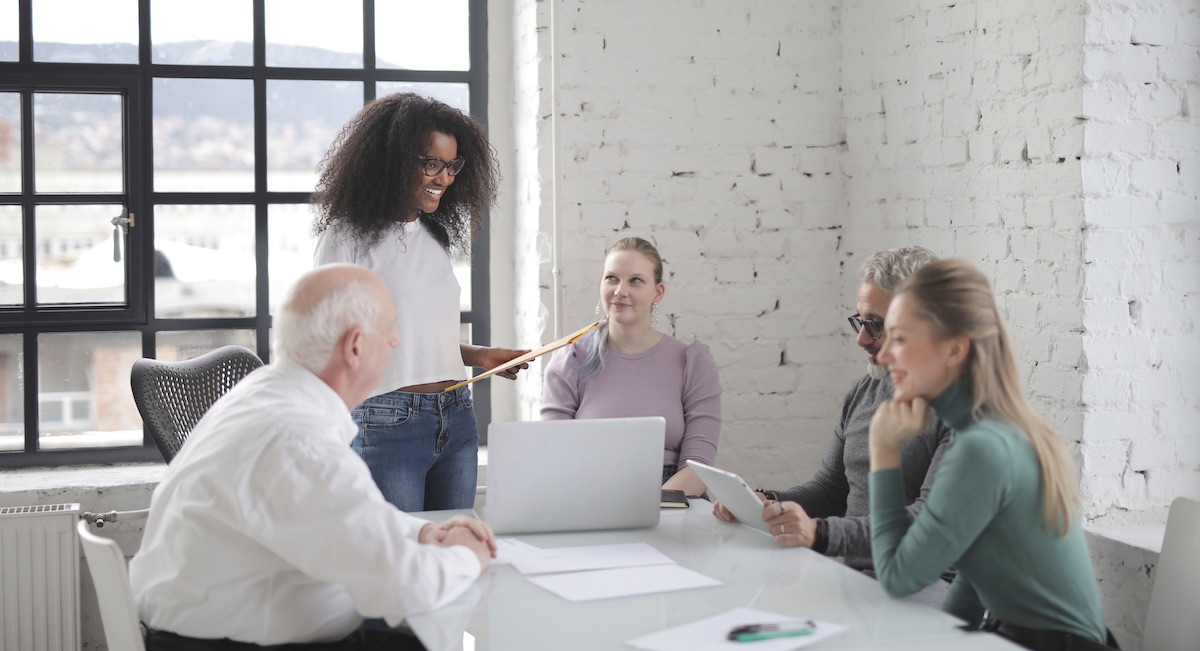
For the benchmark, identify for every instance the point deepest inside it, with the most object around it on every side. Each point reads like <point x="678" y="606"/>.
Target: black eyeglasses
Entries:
<point x="433" y="166"/>
<point x="874" y="328"/>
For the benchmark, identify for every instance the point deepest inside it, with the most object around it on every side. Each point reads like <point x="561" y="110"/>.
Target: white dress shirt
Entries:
<point x="269" y="529"/>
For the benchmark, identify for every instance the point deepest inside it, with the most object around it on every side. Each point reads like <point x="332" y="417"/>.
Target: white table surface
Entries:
<point x="505" y="612"/>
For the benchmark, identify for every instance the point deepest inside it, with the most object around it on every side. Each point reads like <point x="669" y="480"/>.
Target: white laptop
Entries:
<point x="574" y="475"/>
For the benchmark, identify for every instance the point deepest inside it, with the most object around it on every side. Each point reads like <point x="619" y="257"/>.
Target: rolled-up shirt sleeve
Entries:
<point x="316" y="507"/>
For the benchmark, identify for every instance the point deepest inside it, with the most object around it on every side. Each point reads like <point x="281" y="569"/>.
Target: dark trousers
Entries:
<point x="1042" y="640"/>
<point x="1036" y="639"/>
<point x="367" y="638"/>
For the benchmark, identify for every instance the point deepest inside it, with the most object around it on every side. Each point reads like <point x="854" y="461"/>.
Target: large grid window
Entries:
<point x="156" y="162"/>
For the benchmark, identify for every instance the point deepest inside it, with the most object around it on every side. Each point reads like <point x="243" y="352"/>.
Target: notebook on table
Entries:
<point x="574" y="475"/>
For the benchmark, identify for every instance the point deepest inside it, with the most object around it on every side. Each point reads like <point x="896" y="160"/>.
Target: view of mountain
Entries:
<point x="208" y="124"/>
<point x="230" y="105"/>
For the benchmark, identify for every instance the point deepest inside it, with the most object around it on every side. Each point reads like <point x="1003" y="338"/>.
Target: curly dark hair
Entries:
<point x="368" y="175"/>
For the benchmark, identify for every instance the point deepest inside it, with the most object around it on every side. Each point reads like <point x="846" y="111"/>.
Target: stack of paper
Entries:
<point x="594" y="557"/>
<point x="600" y="571"/>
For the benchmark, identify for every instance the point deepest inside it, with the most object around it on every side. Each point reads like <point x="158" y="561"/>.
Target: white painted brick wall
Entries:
<point x="532" y="272"/>
<point x="1142" y="255"/>
<point x="979" y="161"/>
<point x="769" y="146"/>
<point x="712" y="129"/>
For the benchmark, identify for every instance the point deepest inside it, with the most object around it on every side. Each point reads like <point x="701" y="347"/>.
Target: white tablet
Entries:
<point x="733" y="493"/>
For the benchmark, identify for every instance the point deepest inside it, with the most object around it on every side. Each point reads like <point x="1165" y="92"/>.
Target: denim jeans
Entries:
<point x="422" y="448"/>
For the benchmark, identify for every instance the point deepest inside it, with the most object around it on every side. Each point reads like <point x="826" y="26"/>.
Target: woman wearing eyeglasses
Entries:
<point x="1004" y="507"/>
<point x="402" y="189"/>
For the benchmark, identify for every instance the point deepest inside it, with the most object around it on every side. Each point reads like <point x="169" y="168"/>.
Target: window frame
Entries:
<point x="139" y="315"/>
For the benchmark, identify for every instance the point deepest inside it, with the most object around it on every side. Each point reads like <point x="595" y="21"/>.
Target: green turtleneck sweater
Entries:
<point x="984" y="516"/>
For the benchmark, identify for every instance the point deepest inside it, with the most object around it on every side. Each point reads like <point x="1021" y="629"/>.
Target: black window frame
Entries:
<point x="140" y="315"/>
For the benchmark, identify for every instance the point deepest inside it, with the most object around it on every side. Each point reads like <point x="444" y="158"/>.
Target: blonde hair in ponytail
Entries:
<point x="956" y="298"/>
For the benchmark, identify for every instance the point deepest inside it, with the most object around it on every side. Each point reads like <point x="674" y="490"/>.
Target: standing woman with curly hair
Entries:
<point x="403" y="188"/>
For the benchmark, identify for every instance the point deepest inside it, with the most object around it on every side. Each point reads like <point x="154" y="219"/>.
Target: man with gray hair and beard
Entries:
<point x="830" y="513"/>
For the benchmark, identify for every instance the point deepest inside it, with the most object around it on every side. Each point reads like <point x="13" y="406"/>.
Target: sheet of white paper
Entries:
<point x="513" y="551"/>
<point x="592" y="557"/>
<point x="623" y="582"/>
<point x="711" y="634"/>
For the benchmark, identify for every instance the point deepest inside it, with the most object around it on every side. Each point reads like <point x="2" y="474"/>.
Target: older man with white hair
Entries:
<point x="268" y="529"/>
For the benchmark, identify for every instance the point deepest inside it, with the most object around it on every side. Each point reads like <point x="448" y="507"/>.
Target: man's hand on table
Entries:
<point x="473" y="534"/>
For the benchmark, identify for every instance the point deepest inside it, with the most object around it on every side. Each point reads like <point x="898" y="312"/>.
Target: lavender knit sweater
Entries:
<point x="677" y="381"/>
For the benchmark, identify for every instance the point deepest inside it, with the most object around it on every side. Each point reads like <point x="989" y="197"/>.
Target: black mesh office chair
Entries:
<point x="173" y="396"/>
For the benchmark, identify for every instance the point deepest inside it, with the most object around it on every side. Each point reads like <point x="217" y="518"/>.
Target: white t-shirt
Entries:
<point x="420" y="276"/>
<point x="269" y="529"/>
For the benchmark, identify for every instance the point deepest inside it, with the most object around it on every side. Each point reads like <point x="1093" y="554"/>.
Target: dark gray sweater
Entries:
<point x="839" y="490"/>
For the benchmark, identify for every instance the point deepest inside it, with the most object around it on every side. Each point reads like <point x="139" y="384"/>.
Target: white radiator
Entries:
<point x="39" y="578"/>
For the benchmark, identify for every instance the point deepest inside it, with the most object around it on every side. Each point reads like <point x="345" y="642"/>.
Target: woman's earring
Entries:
<point x="598" y="310"/>
<point x="654" y="315"/>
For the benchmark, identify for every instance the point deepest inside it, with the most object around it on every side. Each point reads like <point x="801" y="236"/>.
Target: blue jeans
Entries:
<point x="422" y="448"/>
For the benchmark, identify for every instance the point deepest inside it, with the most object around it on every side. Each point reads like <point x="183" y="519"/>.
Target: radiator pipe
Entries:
<point x="99" y="519"/>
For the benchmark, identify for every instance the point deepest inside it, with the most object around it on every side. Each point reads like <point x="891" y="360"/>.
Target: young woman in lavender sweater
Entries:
<point x="626" y="367"/>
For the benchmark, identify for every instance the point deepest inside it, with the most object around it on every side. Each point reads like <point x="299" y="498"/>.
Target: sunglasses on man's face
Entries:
<point x="874" y="328"/>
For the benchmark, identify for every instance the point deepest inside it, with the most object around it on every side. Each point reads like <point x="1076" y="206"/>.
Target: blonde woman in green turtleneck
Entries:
<point x="1003" y="508"/>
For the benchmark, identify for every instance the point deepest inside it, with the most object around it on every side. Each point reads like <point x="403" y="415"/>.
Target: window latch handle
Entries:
<point x="120" y="229"/>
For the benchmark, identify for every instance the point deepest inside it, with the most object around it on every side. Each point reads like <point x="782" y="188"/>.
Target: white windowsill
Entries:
<point x="26" y="486"/>
<point x="1148" y="537"/>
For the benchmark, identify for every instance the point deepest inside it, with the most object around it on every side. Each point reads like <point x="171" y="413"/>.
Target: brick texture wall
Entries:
<point x="712" y="129"/>
<point x="768" y="147"/>
<point x="1141" y="299"/>
<point x="963" y="135"/>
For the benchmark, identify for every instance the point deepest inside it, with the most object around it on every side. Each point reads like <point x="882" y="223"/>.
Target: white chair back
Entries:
<point x="122" y="630"/>
<point x="1171" y="621"/>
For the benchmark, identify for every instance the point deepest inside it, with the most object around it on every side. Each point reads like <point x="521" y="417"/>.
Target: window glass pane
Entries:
<point x="85" y="31"/>
<point x="300" y="129"/>
<point x="75" y="255"/>
<point x="456" y="95"/>
<point x="10" y="142"/>
<point x="12" y="394"/>
<point x="12" y="258"/>
<point x="84" y="398"/>
<point x="290" y="243"/>
<point x="213" y="33"/>
<point x="78" y="142"/>
<point x="187" y="344"/>
<point x="420" y="35"/>
<point x="204" y="261"/>
<point x="203" y="135"/>
<point x="9" y="31"/>
<point x="314" y="34"/>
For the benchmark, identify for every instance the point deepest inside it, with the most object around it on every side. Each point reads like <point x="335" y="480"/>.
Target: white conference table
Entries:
<point x="503" y="611"/>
